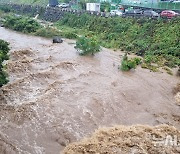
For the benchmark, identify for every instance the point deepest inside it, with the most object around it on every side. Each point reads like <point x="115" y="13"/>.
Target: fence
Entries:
<point x="155" y="5"/>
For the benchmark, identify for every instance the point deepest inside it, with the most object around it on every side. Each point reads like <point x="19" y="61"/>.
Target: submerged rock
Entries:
<point x="1" y="25"/>
<point x="57" y="39"/>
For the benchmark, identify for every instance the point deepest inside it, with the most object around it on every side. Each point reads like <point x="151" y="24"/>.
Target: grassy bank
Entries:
<point x="28" y="2"/>
<point x="156" y="40"/>
<point x="30" y="26"/>
<point x="22" y="24"/>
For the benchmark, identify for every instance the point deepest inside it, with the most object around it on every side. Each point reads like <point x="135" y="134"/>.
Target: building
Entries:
<point x="93" y="7"/>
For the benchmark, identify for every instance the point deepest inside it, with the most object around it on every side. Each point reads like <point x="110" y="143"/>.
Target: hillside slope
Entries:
<point x="35" y="2"/>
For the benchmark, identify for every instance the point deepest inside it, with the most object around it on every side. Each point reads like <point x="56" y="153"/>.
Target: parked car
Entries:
<point x="176" y="1"/>
<point x="133" y="12"/>
<point x="168" y="14"/>
<point x="150" y="13"/>
<point x="115" y="12"/>
<point x="63" y="5"/>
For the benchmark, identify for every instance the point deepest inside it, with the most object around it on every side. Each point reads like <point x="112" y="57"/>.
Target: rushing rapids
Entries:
<point x="56" y="97"/>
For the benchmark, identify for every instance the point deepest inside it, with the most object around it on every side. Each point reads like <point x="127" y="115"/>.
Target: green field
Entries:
<point x="34" y="2"/>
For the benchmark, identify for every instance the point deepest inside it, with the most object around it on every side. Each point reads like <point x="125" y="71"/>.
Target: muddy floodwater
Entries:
<point x="56" y="97"/>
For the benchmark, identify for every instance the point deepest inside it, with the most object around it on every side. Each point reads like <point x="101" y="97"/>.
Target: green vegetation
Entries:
<point x="87" y="46"/>
<point x="127" y="64"/>
<point x="22" y="24"/>
<point x="105" y="7"/>
<point x="155" y="40"/>
<point x="49" y="32"/>
<point x="29" y="25"/>
<point x="4" y="49"/>
<point x="5" y="9"/>
<point x="34" y="2"/>
<point x="31" y="2"/>
<point x="168" y="70"/>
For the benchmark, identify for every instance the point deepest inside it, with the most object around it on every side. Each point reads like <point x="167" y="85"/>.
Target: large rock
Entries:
<point x="57" y="39"/>
<point x="1" y="25"/>
<point x="1" y="22"/>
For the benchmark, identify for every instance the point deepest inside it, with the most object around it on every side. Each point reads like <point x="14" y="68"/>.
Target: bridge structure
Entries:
<point x="154" y="4"/>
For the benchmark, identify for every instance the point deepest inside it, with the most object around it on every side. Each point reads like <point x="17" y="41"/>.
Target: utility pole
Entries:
<point x="151" y="4"/>
<point x="77" y="6"/>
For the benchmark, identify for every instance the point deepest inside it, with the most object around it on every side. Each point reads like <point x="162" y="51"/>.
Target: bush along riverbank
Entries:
<point x="30" y="26"/>
<point x="22" y="24"/>
<point x="4" y="49"/>
<point x="157" y="41"/>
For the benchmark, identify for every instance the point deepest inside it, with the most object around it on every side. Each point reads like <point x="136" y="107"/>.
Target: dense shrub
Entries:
<point x="105" y="7"/>
<point x="47" y="32"/>
<point x="145" y="37"/>
<point x="69" y="35"/>
<point x="87" y="46"/>
<point x="4" y="49"/>
<point x="127" y="64"/>
<point x="5" y="9"/>
<point x="22" y="24"/>
<point x="28" y="2"/>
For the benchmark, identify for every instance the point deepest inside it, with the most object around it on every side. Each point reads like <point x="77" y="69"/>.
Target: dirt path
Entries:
<point x="56" y="97"/>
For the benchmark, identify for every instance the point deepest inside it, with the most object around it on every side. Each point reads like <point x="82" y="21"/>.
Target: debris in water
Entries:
<point x="129" y="139"/>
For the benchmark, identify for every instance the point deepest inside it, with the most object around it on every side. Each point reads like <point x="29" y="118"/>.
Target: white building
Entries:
<point x="93" y="7"/>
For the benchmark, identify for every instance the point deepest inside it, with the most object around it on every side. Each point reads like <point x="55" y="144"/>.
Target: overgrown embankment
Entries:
<point x="4" y="49"/>
<point x="22" y="24"/>
<point x="31" y="2"/>
<point x="30" y="26"/>
<point x="156" y="40"/>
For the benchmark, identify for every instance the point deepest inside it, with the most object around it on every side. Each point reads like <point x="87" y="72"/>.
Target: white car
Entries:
<point x="116" y="12"/>
<point x="176" y="1"/>
<point x="63" y="5"/>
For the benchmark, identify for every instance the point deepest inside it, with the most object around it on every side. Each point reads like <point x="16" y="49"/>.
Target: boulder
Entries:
<point x="57" y="39"/>
<point x="1" y="25"/>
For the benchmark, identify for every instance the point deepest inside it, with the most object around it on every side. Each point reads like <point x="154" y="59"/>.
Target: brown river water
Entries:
<point x="56" y="97"/>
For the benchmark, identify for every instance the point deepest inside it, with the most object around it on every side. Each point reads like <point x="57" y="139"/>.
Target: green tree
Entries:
<point x="105" y="7"/>
<point x="127" y="64"/>
<point x="4" y="49"/>
<point x="87" y="46"/>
